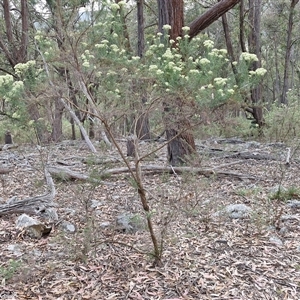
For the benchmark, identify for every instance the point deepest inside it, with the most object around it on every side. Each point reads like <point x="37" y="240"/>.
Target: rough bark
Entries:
<point x="229" y="43"/>
<point x="181" y="142"/>
<point x="56" y="134"/>
<point x="242" y="27"/>
<point x="210" y="16"/>
<point x="141" y="125"/>
<point x="254" y="47"/>
<point x="289" y="44"/>
<point x="14" y="45"/>
<point x="141" y="26"/>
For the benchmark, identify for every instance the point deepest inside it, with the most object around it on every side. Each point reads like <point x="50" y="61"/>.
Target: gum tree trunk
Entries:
<point x="180" y="138"/>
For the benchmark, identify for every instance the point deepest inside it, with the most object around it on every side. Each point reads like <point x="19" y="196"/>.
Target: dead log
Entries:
<point x="32" y="205"/>
<point x="67" y="174"/>
<point x="179" y="170"/>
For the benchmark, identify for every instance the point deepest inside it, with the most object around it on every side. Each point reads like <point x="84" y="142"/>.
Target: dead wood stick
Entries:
<point x="68" y="174"/>
<point x="229" y="164"/>
<point x="33" y="205"/>
<point x="161" y="169"/>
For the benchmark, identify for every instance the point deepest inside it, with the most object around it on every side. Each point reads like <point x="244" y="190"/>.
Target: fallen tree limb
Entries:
<point x="67" y="174"/>
<point x="33" y="205"/>
<point x="178" y="170"/>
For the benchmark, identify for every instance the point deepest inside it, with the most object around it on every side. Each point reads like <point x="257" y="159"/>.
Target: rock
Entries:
<point x="26" y="221"/>
<point x="276" y="241"/>
<point x="105" y="224"/>
<point x="277" y="188"/>
<point x="95" y="203"/>
<point x="289" y="218"/>
<point x="128" y="223"/>
<point x="15" y="249"/>
<point x="68" y="227"/>
<point x="32" y="227"/>
<point x="235" y="211"/>
<point x="293" y="203"/>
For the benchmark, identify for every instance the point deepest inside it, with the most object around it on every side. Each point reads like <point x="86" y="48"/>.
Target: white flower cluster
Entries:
<point x="166" y="27"/>
<point x="208" y="43"/>
<point x="249" y="57"/>
<point x="258" y="72"/>
<point x="220" y="81"/>
<point x="22" y="68"/>
<point x="86" y="56"/>
<point x="218" y="52"/>
<point x="6" y="80"/>
<point x="204" y="61"/>
<point x="114" y="6"/>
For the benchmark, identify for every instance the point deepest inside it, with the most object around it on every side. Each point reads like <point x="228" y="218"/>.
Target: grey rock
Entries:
<point x="15" y="249"/>
<point x="32" y="227"/>
<point x="105" y="224"/>
<point x="95" y="203"/>
<point x="293" y="203"/>
<point x="277" y="188"/>
<point x="129" y="223"/>
<point x="289" y="218"/>
<point x="26" y="221"/>
<point x="235" y="211"/>
<point x="68" y="227"/>
<point x="276" y="241"/>
<point x="283" y="230"/>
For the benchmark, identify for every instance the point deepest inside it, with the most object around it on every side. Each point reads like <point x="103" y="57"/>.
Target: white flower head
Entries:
<point x="115" y="6"/>
<point x="186" y="28"/>
<point x="249" y="57"/>
<point x="166" y="27"/>
<point x="208" y="43"/>
<point x="261" y="71"/>
<point x="204" y="61"/>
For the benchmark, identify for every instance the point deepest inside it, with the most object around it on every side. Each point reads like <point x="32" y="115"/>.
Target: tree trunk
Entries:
<point x="142" y="129"/>
<point x="254" y="47"/>
<point x="289" y="44"/>
<point x="56" y="134"/>
<point x="141" y="126"/>
<point x="141" y="27"/>
<point x="229" y="44"/>
<point x="242" y="27"/>
<point x="181" y="142"/>
<point x="180" y="138"/>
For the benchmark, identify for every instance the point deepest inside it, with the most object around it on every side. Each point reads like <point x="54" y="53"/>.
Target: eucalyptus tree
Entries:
<point x="288" y="52"/>
<point x="178" y="127"/>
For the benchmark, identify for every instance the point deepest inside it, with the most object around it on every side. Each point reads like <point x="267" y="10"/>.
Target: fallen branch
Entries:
<point x="178" y="170"/>
<point x="33" y="205"/>
<point x="67" y="174"/>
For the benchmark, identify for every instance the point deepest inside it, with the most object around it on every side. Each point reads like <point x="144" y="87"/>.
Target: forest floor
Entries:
<point x="207" y="254"/>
